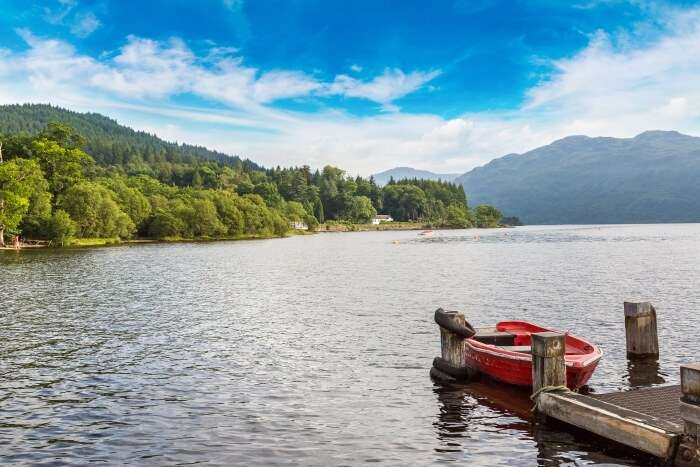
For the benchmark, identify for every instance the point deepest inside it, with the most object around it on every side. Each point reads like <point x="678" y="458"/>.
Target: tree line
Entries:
<point x="52" y="188"/>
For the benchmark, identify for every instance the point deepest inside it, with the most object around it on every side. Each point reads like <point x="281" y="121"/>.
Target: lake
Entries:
<point x="315" y="350"/>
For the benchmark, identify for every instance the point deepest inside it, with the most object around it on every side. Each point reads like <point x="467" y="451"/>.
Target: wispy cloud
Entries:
<point x="81" y="23"/>
<point x="85" y="24"/>
<point x="383" y="89"/>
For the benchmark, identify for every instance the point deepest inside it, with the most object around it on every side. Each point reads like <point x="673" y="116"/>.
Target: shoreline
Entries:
<point x="79" y="243"/>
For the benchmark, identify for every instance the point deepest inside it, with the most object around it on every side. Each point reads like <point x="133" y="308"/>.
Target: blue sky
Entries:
<point x="365" y="85"/>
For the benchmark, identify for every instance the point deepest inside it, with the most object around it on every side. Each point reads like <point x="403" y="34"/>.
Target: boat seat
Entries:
<point x="494" y="337"/>
<point x="517" y="348"/>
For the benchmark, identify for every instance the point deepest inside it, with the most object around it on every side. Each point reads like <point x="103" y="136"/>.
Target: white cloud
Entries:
<point x="144" y="68"/>
<point x="276" y="85"/>
<point x="616" y="86"/>
<point x="385" y="88"/>
<point x="356" y="68"/>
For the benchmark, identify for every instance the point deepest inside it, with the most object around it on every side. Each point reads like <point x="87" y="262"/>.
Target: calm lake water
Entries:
<point x="315" y="350"/>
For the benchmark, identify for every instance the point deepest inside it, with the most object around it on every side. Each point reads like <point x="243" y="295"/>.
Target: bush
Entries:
<point x="60" y="228"/>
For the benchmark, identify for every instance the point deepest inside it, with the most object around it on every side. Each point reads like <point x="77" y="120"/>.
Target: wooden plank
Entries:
<point x="636" y="430"/>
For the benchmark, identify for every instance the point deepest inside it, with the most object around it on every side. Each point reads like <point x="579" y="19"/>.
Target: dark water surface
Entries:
<point x="315" y="350"/>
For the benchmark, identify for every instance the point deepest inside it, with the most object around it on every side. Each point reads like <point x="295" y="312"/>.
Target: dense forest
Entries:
<point x="65" y="175"/>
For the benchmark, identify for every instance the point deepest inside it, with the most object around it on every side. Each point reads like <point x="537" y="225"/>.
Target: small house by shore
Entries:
<point x="299" y="225"/>
<point x="379" y="218"/>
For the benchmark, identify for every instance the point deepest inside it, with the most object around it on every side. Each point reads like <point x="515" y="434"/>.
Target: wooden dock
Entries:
<point x="644" y="419"/>
<point x="663" y="421"/>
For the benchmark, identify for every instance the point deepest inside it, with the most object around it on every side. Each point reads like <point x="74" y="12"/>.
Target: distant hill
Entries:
<point x="650" y="178"/>
<point x="108" y="142"/>
<point x="382" y="178"/>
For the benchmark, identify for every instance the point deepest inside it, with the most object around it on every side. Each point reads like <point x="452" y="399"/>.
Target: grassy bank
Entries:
<point x="95" y="242"/>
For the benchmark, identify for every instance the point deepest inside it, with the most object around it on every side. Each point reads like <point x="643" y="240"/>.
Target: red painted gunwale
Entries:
<point x="515" y="368"/>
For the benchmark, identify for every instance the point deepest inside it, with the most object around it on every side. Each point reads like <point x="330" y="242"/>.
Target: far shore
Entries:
<point x="322" y="228"/>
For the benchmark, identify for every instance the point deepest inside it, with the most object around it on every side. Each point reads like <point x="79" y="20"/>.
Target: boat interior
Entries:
<point x="518" y="340"/>
<point x="503" y="339"/>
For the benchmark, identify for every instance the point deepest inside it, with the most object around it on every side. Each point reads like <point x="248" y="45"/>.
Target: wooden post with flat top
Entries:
<point x="640" y="330"/>
<point x="452" y="345"/>
<point x="689" y="450"/>
<point x="548" y="366"/>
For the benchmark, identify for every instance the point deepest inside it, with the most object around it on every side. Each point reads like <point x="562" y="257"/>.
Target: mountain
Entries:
<point x="650" y="178"/>
<point x="382" y="178"/>
<point x="108" y="142"/>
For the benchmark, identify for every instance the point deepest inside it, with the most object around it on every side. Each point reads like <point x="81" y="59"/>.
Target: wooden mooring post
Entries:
<point x="640" y="330"/>
<point x="449" y="367"/>
<point x="548" y="365"/>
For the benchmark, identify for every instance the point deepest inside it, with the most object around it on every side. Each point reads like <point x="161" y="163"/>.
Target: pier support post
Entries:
<point x="449" y="367"/>
<point x="640" y="330"/>
<point x="548" y="365"/>
<point x="689" y="450"/>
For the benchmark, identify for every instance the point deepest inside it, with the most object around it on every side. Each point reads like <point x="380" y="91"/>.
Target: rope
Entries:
<point x="534" y="396"/>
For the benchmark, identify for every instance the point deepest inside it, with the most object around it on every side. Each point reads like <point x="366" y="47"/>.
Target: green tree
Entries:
<point x="227" y="208"/>
<point x="201" y="219"/>
<point x="164" y="224"/>
<point x="60" y="228"/>
<point x="20" y="179"/>
<point x="294" y="211"/>
<point x="404" y="202"/>
<point x="130" y="200"/>
<point x="64" y="135"/>
<point x="96" y="213"/>
<point x="62" y="167"/>
<point x="457" y="216"/>
<point x="361" y="209"/>
<point x="487" y="216"/>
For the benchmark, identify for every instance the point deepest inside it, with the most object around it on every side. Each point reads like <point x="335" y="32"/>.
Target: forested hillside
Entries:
<point x="580" y="180"/>
<point x="106" y="141"/>
<point x="65" y="174"/>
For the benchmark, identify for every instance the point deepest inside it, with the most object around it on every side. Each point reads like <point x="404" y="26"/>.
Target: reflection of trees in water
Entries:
<point x="644" y="372"/>
<point x="461" y="411"/>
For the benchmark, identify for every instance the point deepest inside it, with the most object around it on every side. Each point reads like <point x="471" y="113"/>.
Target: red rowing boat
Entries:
<point x="503" y="353"/>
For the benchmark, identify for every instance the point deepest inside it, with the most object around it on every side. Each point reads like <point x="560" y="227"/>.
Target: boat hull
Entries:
<point x="516" y="367"/>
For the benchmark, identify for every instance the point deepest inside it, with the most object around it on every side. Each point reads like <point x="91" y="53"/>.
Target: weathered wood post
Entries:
<point x="689" y="450"/>
<point x="640" y="330"/>
<point x="548" y="365"/>
<point x="449" y="367"/>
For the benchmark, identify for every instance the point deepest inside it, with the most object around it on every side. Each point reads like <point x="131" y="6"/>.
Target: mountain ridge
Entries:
<point x="399" y="173"/>
<point x="588" y="180"/>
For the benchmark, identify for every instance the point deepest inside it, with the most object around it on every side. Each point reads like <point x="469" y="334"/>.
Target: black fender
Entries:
<point x="442" y="318"/>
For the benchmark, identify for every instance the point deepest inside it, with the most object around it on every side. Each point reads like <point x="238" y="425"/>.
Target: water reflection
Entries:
<point x="643" y="372"/>
<point x="464" y="411"/>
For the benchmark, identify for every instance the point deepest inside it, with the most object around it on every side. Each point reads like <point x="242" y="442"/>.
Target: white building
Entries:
<point x="298" y="225"/>
<point x="379" y="218"/>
